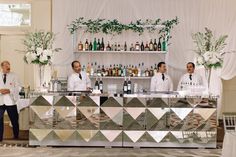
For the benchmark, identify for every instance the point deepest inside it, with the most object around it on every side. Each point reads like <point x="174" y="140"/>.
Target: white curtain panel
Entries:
<point x="194" y="15"/>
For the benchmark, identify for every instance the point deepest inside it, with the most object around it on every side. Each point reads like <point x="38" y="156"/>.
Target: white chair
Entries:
<point x="229" y="143"/>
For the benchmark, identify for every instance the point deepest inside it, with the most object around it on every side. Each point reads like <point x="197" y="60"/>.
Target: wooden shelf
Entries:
<point x="120" y="77"/>
<point x="121" y="52"/>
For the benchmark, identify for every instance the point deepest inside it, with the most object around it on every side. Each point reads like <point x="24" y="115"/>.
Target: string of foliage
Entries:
<point x="114" y="27"/>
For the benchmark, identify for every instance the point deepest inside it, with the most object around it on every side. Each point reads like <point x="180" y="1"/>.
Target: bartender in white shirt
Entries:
<point x="78" y="81"/>
<point x="190" y="78"/>
<point x="9" y="94"/>
<point x="161" y="81"/>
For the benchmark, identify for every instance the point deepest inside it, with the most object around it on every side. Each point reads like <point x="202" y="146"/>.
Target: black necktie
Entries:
<point x="80" y="76"/>
<point x="190" y="77"/>
<point x="163" y="77"/>
<point x="4" y="78"/>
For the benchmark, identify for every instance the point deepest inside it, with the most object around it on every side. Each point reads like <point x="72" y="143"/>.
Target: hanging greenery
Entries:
<point x="115" y="27"/>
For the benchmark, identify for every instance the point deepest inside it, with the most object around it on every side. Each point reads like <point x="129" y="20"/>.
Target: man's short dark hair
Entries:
<point x="72" y="64"/>
<point x="159" y="64"/>
<point x="192" y="64"/>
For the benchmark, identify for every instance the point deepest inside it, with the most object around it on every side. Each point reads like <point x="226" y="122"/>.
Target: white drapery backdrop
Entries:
<point x="218" y="15"/>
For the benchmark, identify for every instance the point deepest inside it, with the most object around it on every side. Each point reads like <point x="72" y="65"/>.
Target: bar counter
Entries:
<point x="134" y="120"/>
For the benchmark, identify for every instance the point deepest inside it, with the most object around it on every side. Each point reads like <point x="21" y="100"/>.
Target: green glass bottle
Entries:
<point x="94" y="45"/>
<point x="164" y="44"/>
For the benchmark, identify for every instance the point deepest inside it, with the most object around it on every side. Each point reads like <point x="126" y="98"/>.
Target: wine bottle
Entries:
<point x="96" y="87"/>
<point x="98" y="45"/>
<point x="102" y="46"/>
<point x="101" y="85"/>
<point x="86" y="45"/>
<point x="155" y="45"/>
<point x="159" y="45"/>
<point x="142" y="46"/>
<point x="103" y="71"/>
<point x="125" y="87"/>
<point x="94" y="45"/>
<point x="151" y="46"/>
<point x="115" y="47"/>
<point x="80" y="46"/>
<point x="90" y="46"/>
<point x="110" y="71"/>
<point x="129" y="86"/>
<point x="125" y="47"/>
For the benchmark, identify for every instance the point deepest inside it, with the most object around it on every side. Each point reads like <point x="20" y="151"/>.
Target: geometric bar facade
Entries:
<point x="132" y="121"/>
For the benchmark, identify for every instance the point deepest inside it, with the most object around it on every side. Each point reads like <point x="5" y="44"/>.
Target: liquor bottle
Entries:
<point x="151" y="71"/>
<point x="151" y="46"/>
<point x="86" y="45"/>
<point x="83" y="68"/>
<point x="132" y="47"/>
<point x="103" y="71"/>
<point x="90" y="46"/>
<point x="91" y="70"/>
<point x="108" y="48"/>
<point x="164" y="44"/>
<point x="132" y="71"/>
<point x="137" y="46"/>
<point x="96" y="87"/>
<point x="99" y="71"/>
<point x="146" y="47"/>
<point x="155" y="45"/>
<point x="155" y="69"/>
<point x="114" y="70"/>
<point x="159" y="45"/>
<point x="98" y="45"/>
<point x="142" y="70"/>
<point x="119" y="70"/>
<point x="102" y="46"/>
<point x="125" y="87"/>
<point x="107" y="72"/>
<point x="142" y="46"/>
<point x="125" y="47"/>
<point x="101" y="85"/>
<point x="80" y="46"/>
<point x="124" y="71"/>
<point x="110" y="71"/>
<point x="88" y="70"/>
<point x="129" y="86"/>
<point x="135" y="71"/>
<point x="147" y="72"/>
<point x="139" y="70"/>
<point x="115" y="47"/>
<point x="94" y="45"/>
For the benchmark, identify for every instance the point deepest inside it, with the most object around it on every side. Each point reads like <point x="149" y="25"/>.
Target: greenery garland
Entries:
<point x="115" y="27"/>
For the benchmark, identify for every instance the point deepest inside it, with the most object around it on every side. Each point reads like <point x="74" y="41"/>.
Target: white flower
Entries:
<point x="200" y="60"/>
<point x="30" y="57"/>
<point x="48" y="53"/>
<point x="39" y="51"/>
<point x="43" y="58"/>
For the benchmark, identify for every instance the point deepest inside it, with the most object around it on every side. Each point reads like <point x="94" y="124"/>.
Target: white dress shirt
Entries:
<point x="186" y="81"/>
<point x="158" y="84"/>
<point x="13" y="84"/>
<point x="76" y="84"/>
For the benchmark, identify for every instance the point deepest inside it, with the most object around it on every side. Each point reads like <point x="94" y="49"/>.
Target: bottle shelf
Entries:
<point x="121" y="77"/>
<point x="121" y="52"/>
